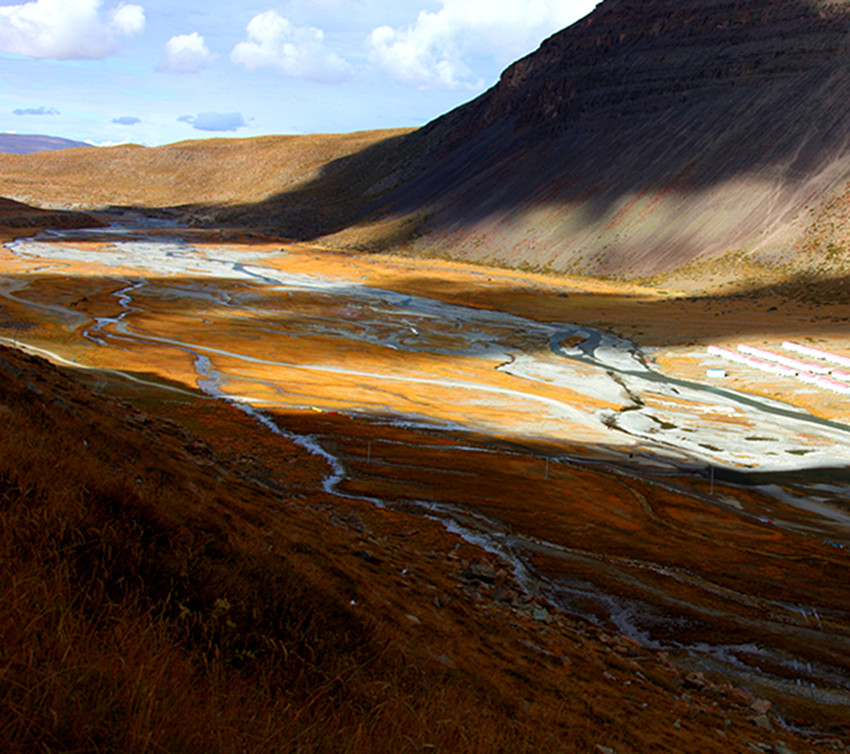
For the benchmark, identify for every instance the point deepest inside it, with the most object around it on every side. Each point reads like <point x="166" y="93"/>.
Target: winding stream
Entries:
<point x="550" y="377"/>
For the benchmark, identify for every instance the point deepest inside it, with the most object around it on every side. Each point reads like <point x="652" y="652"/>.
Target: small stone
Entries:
<point x="479" y="572"/>
<point x="503" y="594"/>
<point x="761" y="706"/>
<point x="742" y="695"/>
<point x="540" y="614"/>
<point x="604" y="749"/>
<point x="677" y="724"/>
<point x="695" y="680"/>
<point x="446" y="660"/>
<point x="781" y="748"/>
<point x="369" y="557"/>
<point x="762" y="721"/>
<point x="413" y="619"/>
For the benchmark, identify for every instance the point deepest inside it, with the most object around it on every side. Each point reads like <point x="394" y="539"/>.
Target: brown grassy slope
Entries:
<point x="157" y="599"/>
<point x="216" y="172"/>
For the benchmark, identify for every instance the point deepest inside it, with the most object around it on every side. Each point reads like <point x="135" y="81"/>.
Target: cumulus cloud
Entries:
<point x="67" y="29"/>
<point x="127" y="120"/>
<point x="36" y="111"/>
<point x="187" y="53"/>
<point x="435" y="52"/>
<point x="214" y="121"/>
<point x="297" y="51"/>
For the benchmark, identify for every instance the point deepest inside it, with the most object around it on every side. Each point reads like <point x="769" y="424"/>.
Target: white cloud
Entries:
<point x="128" y="19"/>
<point x="66" y="29"/>
<point x="437" y="50"/>
<point x="214" y="121"/>
<point x="187" y="53"/>
<point x="36" y="111"/>
<point x="297" y="51"/>
<point x="127" y="120"/>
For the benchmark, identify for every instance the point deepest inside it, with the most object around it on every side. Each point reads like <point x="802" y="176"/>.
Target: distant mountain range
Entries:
<point x="28" y="143"/>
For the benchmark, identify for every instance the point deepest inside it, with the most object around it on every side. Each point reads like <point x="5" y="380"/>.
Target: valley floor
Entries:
<point x="565" y="426"/>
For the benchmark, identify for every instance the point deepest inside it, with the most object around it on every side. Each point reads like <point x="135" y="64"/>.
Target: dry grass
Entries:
<point x="145" y="608"/>
<point x="155" y="600"/>
<point x="207" y="172"/>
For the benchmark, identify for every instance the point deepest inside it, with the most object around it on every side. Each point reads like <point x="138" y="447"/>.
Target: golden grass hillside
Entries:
<point x="216" y="172"/>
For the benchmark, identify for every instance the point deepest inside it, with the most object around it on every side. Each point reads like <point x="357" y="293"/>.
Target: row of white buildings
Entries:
<point x="824" y="372"/>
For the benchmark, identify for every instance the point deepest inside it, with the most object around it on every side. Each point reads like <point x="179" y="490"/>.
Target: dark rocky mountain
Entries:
<point x="648" y="135"/>
<point x="29" y="143"/>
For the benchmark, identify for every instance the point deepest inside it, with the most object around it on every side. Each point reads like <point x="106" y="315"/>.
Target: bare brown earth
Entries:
<point x="192" y="178"/>
<point x="605" y="525"/>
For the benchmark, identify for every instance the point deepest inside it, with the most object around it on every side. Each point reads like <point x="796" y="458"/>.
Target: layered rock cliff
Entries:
<point x="644" y="137"/>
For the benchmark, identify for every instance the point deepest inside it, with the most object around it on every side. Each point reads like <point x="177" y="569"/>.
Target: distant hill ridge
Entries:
<point x="29" y="143"/>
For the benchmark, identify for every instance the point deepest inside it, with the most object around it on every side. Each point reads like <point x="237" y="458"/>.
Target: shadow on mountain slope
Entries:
<point x="638" y="138"/>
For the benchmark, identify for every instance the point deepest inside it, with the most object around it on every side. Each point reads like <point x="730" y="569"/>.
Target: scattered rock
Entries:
<point x="781" y="748"/>
<point x="540" y="614"/>
<point x="625" y="645"/>
<point x="369" y="557"/>
<point x="761" y="706"/>
<point x="504" y="594"/>
<point x="742" y="695"/>
<point x="695" y="680"/>
<point x="351" y="520"/>
<point x="604" y="749"/>
<point x="480" y="572"/>
<point x="762" y="721"/>
<point x="446" y="660"/>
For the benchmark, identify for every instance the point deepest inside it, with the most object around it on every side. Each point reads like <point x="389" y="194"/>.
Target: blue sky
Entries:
<point x="159" y="71"/>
